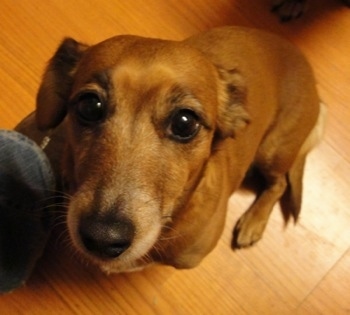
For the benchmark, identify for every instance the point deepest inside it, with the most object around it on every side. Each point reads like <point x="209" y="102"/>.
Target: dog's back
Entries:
<point x="273" y="69"/>
<point x="279" y="83"/>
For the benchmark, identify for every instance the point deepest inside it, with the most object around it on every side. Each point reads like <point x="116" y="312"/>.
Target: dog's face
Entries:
<point x="142" y="118"/>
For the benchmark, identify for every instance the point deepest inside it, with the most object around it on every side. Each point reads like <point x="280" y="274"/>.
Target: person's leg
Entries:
<point x="26" y="184"/>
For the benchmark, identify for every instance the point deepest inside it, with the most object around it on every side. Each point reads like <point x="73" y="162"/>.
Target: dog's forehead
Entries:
<point x="138" y="54"/>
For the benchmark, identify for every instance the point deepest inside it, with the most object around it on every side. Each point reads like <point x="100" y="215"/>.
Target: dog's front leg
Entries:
<point x="250" y="227"/>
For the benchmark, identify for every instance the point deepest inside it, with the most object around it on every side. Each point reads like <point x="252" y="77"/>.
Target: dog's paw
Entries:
<point x="289" y="10"/>
<point x="247" y="231"/>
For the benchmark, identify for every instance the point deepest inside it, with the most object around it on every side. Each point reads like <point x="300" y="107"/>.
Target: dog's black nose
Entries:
<point x="106" y="236"/>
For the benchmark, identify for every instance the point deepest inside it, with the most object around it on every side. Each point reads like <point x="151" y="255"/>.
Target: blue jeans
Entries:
<point x="26" y="186"/>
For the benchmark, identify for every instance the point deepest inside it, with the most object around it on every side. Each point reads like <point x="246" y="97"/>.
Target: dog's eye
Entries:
<point x="184" y="125"/>
<point x="90" y="108"/>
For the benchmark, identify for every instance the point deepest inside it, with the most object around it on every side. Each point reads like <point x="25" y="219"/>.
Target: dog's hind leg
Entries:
<point x="250" y="227"/>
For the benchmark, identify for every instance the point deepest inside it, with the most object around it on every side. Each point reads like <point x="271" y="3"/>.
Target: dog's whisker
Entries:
<point x="159" y="251"/>
<point x="175" y="233"/>
<point x="62" y="237"/>
<point x="174" y="237"/>
<point x="61" y="218"/>
<point x="54" y="207"/>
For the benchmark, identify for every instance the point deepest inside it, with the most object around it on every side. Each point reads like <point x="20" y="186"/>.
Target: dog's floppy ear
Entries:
<point x="56" y="84"/>
<point x="232" y="115"/>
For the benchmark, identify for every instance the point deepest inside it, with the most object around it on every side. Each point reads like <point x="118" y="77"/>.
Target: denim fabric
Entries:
<point x="26" y="184"/>
<point x="24" y="159"/>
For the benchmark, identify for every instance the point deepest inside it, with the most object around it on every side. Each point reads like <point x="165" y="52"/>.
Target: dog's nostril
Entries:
<point x="104" y="237"/>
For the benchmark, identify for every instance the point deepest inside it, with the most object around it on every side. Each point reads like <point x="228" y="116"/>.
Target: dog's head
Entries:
<point x="143" y="117"/>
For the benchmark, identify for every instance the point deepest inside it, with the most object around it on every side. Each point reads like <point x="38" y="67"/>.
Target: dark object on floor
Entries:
<point x="26" y="183"/>
<point x="289" y="10"/>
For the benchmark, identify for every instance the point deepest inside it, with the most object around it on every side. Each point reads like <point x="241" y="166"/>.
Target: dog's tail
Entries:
<point x="292" y="197"/>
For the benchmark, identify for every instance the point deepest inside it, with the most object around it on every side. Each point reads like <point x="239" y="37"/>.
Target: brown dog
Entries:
<point x="151" y="137"/>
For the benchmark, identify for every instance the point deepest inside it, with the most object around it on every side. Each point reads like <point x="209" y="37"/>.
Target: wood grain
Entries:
<point x="302" y="269"/>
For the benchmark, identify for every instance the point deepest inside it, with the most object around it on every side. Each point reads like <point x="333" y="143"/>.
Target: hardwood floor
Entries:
<point x="302" y="269"/>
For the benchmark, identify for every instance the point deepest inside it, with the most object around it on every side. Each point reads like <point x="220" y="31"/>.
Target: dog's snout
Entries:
<point x="106" y="237"/>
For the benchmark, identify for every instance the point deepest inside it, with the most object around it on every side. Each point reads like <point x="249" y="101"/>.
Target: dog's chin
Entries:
<point x="124" y="266"/>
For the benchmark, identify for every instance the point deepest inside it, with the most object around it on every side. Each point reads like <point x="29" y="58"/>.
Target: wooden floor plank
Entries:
<point x="329" y="294"/>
